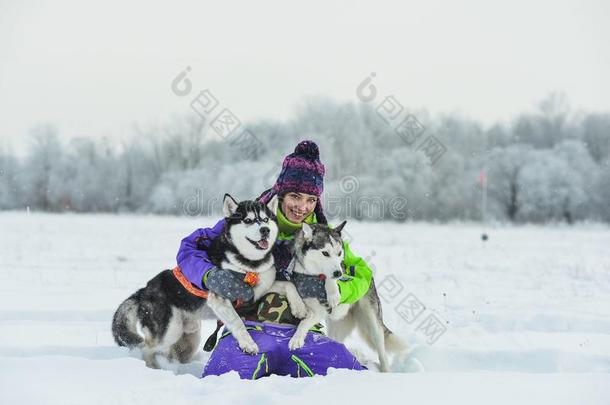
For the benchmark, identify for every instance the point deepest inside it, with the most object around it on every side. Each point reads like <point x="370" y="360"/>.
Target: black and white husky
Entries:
<point x="317" y="264"/>
<point x="239" y="249"/>
<point x="164" y="318"/>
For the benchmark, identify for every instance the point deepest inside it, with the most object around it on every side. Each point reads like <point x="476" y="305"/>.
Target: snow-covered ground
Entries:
<point x="521" y="318"/>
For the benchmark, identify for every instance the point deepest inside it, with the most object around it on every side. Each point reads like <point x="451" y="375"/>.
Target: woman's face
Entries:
<point x="297" y="206"/>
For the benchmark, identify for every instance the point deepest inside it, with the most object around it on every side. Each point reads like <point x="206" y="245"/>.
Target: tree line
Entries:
<point x="549" y="164"/>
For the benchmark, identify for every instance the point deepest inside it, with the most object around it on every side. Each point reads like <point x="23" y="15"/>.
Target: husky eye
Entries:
<point x="247" y="221"/>
<point x="265" y="219"/>
<point x="326" y="254"/>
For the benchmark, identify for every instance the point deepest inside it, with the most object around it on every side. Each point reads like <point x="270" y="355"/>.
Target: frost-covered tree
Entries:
<point x="95" y="184"/>
<point x="556" y="184"/>
<point x="200" y="191"/>
<point x="547" y="126"/>
<point x="10" y="189"/>
<point x="602" y="194"/>
<point x="582" y="174"/>
<point x="546" y="165"/>
<point x="596" y="135"/>
<point x="545" y="191"/>
<point x="503" y="166"/>
<point x="40" y="169"/>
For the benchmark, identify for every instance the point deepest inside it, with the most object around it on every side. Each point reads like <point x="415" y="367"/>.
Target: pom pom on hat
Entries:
<point x="307" y="149"/>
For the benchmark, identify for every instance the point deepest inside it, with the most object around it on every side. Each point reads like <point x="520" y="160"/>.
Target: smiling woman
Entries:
<point x="299" y="188"/>
<point x="298" y="206"/>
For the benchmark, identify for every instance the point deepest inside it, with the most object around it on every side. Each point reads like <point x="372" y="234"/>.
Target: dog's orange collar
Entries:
<point x="187" y="284"/>
<point x="196" y="291"/>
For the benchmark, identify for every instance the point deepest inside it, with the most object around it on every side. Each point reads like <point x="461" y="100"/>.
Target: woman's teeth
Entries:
<point x="297" y="215"/>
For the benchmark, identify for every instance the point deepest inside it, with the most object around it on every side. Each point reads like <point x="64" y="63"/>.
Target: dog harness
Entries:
<point x="196" y="291"/>
<point x="310" y="286"/>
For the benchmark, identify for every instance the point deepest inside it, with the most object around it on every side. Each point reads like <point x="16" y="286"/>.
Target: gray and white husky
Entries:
<point x="164" y="318"/>
<point x="317" y="264"/>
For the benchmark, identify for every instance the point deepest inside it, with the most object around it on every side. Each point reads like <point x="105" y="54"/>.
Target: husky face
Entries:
<point x="320" y="250"/>
<point x="252" y="226"/>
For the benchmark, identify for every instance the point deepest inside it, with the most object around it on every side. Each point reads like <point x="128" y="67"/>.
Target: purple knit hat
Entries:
<point x="302" y="172"/>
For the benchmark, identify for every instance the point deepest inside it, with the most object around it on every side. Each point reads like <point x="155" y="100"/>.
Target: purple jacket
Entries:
<point x="192" y="256"/>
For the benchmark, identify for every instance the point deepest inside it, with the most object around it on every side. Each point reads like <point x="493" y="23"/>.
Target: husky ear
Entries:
<point x="229" y="206"/>
<point x="307" y="231"/>
<point x="340" y="227"/>
<point x="272" y="205"/>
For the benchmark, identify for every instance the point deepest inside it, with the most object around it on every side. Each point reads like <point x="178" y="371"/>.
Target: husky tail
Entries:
<point x="125" y="320"/>
<point x="393" y="342"/>
<point x="373" y="338"/>
<point x="373" y="313"/>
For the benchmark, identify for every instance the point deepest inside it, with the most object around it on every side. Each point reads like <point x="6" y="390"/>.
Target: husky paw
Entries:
<point x="298" y="309"/>
<point x="248" y="346"/>
<point x="296" y="342"/>
<point x="333" y="300"/>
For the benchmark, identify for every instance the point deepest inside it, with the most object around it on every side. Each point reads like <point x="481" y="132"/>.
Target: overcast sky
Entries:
<point x="97" y="69"/>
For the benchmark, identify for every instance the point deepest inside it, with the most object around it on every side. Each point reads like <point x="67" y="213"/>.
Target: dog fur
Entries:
<point x="319" y="250"/>
<point x="163" y="318"/>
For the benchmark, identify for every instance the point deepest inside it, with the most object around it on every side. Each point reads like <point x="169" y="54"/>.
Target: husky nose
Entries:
<point x="264" y="231"/>
<point x="337" y="274"/>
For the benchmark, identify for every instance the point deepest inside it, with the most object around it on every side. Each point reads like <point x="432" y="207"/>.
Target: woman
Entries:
<point x="299" y="187"/>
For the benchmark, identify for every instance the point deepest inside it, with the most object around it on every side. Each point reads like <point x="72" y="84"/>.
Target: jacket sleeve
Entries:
<point x="192" y="257"/>
<point x="357" y="277"/>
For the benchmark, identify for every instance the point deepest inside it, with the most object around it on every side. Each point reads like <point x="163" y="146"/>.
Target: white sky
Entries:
<point x="97" y="69"/>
